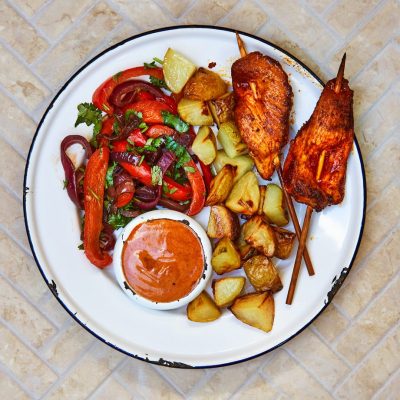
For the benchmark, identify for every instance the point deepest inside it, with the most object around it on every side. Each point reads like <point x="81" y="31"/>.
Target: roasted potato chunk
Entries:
<point x="225" y="257"/>
<point x="262" y="197"/>
<point x="284" y="242"/>
<point x="204" y="145"/>
<point x="258" y="234"/>
<point x="177" y="70"/>
<point x="274" y="206"/>
<point x="243" y="164"/>
<point x="221" y="185"/>
<point x="204" y="85"/>
<point x="255" y="309"/>
<point x="227" y="289"/>
<point x="222" y="108"/>
<point x="203" y="309"/>
<point x="230" y="139"/>
<point x="222" y="223"/>
<point x="245" y="250"/>
<point x="262" y="274"/>
<point x="195" y="112"/>
<point x="245" y="195"/>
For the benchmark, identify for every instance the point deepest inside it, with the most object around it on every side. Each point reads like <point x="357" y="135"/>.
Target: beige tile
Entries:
<point x="142" y="380"/>
<point x="277" y="36"/>
<point x="77" y="44"/>
<point x="226" y="380"/>
<point x="146" y="14"/>
<point x="68" y="346"/>
<point x="15" y="126"/>
<point x="296" y="17"/>
<point x="319" y="5"/>
<point x="379" y="74"/>
<point x="11" y="216"/>
<point x="248" y="17"/>
<point x="375" y="370"/>
<point x="371" y="326"/>
<point x="362" y="285"/>
<point x="29" y="7"/>
<point x="208" y="11"/>
<point x="25" y="39"/>
<point x="23" y="317"/>
<point x="10" y="390"/>
<point x="382" y="167"/>
<point x="258" y="388"/>
<point x="87" y="374"/>
<point x="19" y="81"/>
<point x="20" y="268"/>
<point x="392" y="389"/>
<point x="12" y="177"/>
<point x="291" y="379"/>
<point x="111" y="389"/>
<point x="372" y="236"/>
<point x="380" y="121"/>
<point x="59" y="15"/>
<point x="346" y="14"/>
<point x="127" y="30"/>
<point x="54" y="311"/>
<point x="370" y="39"/>
<point x="26" y="366"/>
<point x="176" y="8"/>
<point x="321" y="361"/>
<point x="330" y="324"/>
<point x="184" y="379"/>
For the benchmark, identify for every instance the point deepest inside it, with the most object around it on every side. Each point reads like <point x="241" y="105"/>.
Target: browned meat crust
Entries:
<point x="263" y="122"/>
<point x="330" y="128"/>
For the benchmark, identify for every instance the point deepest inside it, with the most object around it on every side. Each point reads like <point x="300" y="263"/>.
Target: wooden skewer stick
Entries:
<point x="289" y="201"/>
<point x="307" y="218"/>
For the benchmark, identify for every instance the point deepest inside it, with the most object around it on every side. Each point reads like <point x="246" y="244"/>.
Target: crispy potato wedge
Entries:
<point x="225" y="257"/>
<point x="204" y="145"/>
<point x="262" y="274"/>
<point x="227" y="289"/>
<point x="203" y="309"/>
<point x="274" y="206"/>
<point x="204" y="85"/>
<point x="245" y="195"/>
<point x="243" y="164"/>
<point x="223" y="223"/>
<point x="230" y="139"/>
<point x="195" y="112"/>
<point x="258" y="234"/>
<point x="284" y="242"/>
<point x="255" y="309"/>
<point x="177" y="70"/>
<point x="222" y="108"/>
<point x="245" y="250"/>
<point x="221" y="185"/>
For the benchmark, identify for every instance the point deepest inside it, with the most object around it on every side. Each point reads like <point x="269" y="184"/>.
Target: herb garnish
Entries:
<point x="110" y="174"/>
<point x="153" y="63"/>
<point x="158" y="82"/>
<point x="156" y="175"/>
<point x="89" y="114"/>
<point x="174" y="122"/>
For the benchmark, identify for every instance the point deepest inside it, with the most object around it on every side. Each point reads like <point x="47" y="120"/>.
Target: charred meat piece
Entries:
<point x="328" y="135"/>
<point x="262" y="119"/>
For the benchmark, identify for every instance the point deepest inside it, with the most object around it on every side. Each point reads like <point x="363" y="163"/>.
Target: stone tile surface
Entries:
<point x="351" y="351"/>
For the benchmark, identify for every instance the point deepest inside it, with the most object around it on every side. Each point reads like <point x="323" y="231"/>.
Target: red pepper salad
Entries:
<point x="138" y="158"/>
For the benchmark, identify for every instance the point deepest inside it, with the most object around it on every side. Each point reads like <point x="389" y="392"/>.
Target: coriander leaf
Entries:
<point x="80" y="247"/>
<point x="116" y="76"/>
<point x="158" y="82"/>
<point x="173" y="190"/>
<point x="65" y="183"/>
<point x="89" y="114"/>
<point x="156" y="175"/>
<point x="150" y="65"/>
<point x="143" y="127"/>
<point x="129" y="113"/>
<point x="157" y="60"/>
<point x="174" y="122"/>
<point x="180" y="151"/>
<point x="109" y="175"/>
<point x="118" y="221"/>
<point x="189" y="169"/>
<point x="141" y="160"/>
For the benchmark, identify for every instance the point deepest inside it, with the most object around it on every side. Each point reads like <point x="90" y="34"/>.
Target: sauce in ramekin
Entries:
<point x="162" y="260"/>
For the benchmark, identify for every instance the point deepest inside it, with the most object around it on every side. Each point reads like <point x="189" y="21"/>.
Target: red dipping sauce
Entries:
<point x="162" y="260"/>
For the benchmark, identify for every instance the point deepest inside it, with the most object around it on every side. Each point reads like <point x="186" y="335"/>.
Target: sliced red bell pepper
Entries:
<point x="207" y="175"/>
<point x="93" y="188"/>
<point x="150" y="109"/>
<point x="123" y="199"/>
<point x="144" y="96"/>
<point x="198" y="187"/>
<point x="156" y="131"/>
<point x="102" y="93"/>
<point x="107" y="129"/>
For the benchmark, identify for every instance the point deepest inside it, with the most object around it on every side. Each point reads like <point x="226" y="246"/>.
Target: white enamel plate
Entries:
<point x="93" y="297"/>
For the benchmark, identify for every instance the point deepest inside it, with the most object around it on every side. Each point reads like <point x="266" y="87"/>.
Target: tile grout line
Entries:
<point x="13" y="378"/>
<point x="390" y="380"/>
